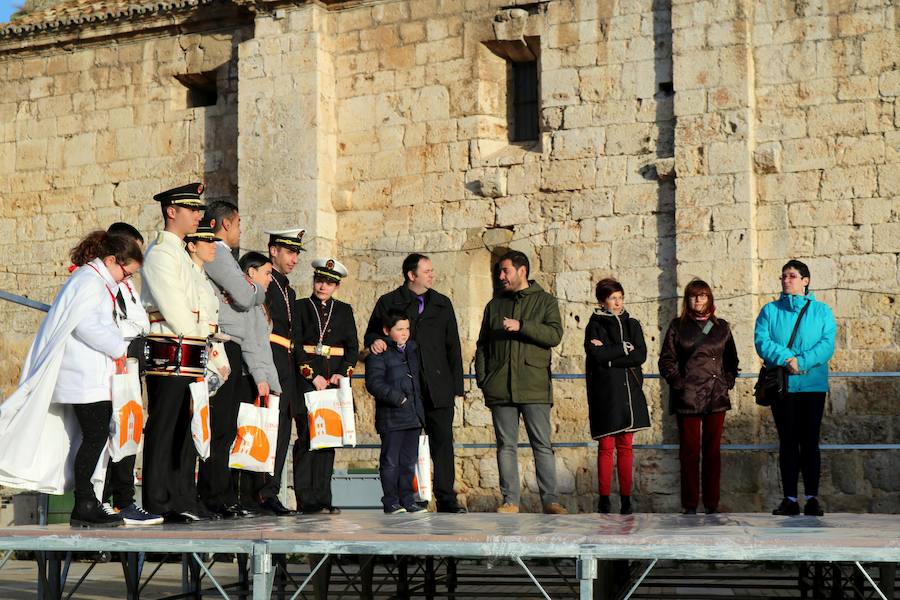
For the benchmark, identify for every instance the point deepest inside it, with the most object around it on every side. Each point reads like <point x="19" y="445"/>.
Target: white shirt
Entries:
<point x="87" y="366"/>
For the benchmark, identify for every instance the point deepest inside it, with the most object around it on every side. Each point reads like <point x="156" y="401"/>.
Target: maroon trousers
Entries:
<point x="700" y="434"/>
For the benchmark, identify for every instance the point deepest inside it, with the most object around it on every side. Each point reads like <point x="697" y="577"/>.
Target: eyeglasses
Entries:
<point x="125" y="273"/>
<point x="790" y="276"/>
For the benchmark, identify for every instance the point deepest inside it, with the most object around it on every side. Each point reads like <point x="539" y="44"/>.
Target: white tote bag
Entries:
<point x="200" y="417"/>
<point x="127" y="422"/>
<point x="257" y="435"/>
<point x="422" y="480"/>
<point x="348" y="416"/>
<point x="323" y="408"/>
<point x="217" y="367"/>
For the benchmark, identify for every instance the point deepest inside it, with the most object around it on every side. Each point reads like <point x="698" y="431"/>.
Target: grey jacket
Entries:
<point x="252" y="334"/>
<point x="236" y="293"/>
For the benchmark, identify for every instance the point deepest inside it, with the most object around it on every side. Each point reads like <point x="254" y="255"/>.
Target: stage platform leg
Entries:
<point x="587" y="570"/>
<point x="263" y="573"/>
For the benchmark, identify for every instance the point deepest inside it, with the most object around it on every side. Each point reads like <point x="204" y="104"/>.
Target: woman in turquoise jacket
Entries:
<point x="798" y="416"/>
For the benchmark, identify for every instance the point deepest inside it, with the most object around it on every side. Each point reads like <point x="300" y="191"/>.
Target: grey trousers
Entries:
<point x="537" y="425"/>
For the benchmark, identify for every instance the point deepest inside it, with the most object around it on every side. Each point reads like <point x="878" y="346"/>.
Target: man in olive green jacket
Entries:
<point x="512" y="368"/>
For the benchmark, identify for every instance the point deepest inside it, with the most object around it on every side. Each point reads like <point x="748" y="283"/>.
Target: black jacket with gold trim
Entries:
<point x="340" y="333"/>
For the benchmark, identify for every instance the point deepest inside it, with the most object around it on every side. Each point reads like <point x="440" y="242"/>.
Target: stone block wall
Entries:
<point x="692" y="138"/>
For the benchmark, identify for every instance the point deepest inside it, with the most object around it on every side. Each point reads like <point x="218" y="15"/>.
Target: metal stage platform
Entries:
<point x="586" y="538"/>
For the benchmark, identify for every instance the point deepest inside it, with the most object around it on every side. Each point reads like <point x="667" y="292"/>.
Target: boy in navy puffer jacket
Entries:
<point x="392" y="378"/>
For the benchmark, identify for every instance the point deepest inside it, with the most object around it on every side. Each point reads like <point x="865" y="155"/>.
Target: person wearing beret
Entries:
<point x="238" y="295"/>
<point x="172" y="300"/>
<point x="326" y="348"/>
<point x="284" y="249"/>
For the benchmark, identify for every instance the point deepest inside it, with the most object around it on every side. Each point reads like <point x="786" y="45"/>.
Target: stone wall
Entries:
<point x="694" y="138"/>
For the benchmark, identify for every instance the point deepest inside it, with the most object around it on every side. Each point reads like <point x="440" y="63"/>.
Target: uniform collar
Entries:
<point x="169" y="239"/>
<point x="100" y="267"/>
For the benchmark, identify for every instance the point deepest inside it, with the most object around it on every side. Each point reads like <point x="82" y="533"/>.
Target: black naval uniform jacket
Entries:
<point x="340" y="332"/>
<point x="435" y="333"/>
<point x="281" y="311"/>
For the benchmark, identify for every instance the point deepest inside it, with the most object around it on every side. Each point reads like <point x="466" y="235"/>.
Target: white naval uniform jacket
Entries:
<point x="171" y="288"/>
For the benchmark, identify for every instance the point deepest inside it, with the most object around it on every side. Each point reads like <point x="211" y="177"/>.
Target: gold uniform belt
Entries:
<point x="282" y="341"/>
<point x="323" y="350"/>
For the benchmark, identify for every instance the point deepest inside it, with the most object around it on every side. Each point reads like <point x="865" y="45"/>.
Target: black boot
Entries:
<point x="605" y="506"/>
<point x="626" y="506"/>
<point x="89" y="513"/>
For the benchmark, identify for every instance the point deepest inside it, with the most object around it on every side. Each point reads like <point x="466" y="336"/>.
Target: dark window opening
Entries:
<point x="666" y="88"/>
<point x="525" y="101"/>
<point x="202" y="89"/>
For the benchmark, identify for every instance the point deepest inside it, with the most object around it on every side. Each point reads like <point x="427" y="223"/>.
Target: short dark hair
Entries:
<point x="253" y="260"/>
<point x="606" y="288"/>
<point x="796" y="264"/>
<point x="518" y="259"/>
<point x="218" y="211"/>
<point x="392" y="318"/>
<point x="411" y="263"/>
<point x="126" y="229"/>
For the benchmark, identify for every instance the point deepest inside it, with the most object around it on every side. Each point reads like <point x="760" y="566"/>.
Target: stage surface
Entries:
<point x="720" y="537"/>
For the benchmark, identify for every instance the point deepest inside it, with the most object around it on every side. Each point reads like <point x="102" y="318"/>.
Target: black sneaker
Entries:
<point x="813" y="508"/>
<point x="415" y="508"/>
<point x="394" y="509"/>
<point x="626" y="509"/>
<point x="90" y="513"/>
<point x="788" y="508"/>
<point x="451" y="508"/>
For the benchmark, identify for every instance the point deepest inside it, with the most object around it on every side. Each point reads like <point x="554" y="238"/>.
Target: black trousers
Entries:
<point x="214" y="482"/>
<point x="439" y="427"/>
<point x="93" y="419"/>
<point x="798" y="418"/>
<point x="119" y="485"/>
<point x="169" y="454"/>
<point x="268" y="486"/>
<point x="312" y="468"/>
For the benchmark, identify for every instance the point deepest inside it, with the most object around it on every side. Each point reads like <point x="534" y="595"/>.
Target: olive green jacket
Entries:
<point x="514" y="367"/>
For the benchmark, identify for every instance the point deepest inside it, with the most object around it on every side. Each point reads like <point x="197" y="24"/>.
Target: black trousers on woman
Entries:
<point x="798" y="418"/>
<point x="93" y="419"/>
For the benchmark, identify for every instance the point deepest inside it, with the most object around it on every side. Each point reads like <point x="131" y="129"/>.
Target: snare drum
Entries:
<point x="174" y="355"/>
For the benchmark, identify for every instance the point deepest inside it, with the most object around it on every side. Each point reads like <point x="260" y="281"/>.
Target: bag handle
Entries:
<point x="797" y="324"/>
<point x="262" y="399"/>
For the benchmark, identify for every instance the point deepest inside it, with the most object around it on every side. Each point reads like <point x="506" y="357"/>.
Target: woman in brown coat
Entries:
<point x="699" y="362"/>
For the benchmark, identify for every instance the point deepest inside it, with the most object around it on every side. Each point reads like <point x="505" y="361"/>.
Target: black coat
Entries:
<point x="340" y="332"/>
<point x="699" y="383"/>
<point x="281" y="300"/>
<point x="435" y="333"/>
<point x="616" y="402"/>
<point x="392" y="378"/>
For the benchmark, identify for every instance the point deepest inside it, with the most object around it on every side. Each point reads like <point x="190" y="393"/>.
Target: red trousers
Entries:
<point x="692" y="441"/>
<point x="621" y="443"/>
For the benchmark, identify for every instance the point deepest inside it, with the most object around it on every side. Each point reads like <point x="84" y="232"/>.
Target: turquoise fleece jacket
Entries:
<point x="813" y="346"/>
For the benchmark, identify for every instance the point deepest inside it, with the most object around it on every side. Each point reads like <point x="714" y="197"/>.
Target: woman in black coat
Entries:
<point x="615" y="350"/>
<point x="699" y="362"/>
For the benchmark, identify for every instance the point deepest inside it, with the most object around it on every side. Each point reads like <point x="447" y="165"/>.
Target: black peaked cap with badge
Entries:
<point x="187" y="196"/>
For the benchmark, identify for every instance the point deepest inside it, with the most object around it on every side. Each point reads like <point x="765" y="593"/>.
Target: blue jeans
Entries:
<point x="397" y="466"/>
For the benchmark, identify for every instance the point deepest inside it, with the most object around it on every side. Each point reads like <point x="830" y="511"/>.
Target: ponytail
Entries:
<point x="100" y="244"/>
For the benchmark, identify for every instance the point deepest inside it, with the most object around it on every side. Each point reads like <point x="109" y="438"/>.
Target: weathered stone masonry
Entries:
<point x="677" y="139"/>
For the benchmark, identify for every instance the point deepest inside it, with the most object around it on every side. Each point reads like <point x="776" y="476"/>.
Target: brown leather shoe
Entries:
<point x="555" y="508"/>
<point x="508" y="507"/>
